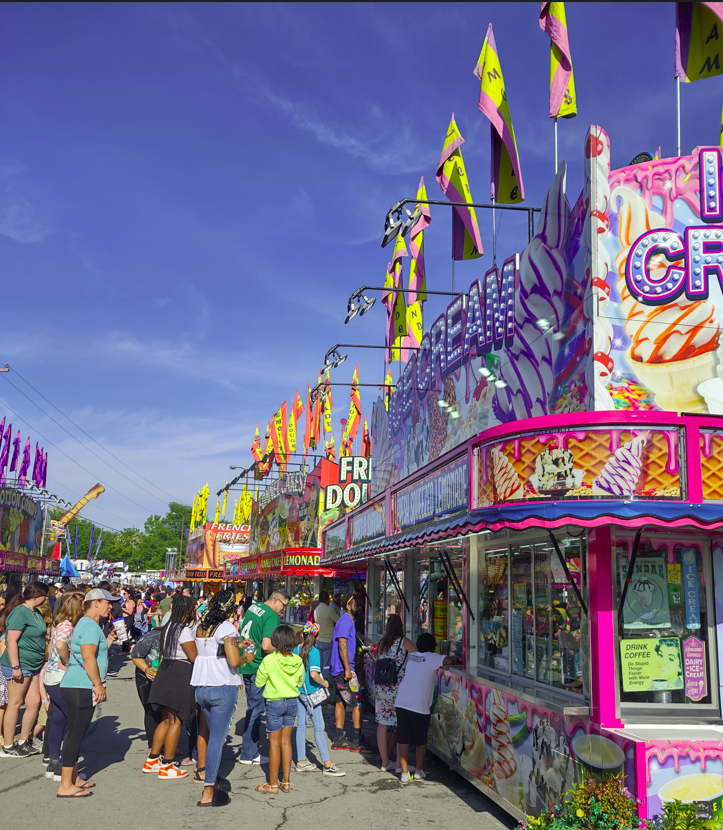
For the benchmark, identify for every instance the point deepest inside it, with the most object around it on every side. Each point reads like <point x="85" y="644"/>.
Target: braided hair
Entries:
<point x="183" y="613"/>
<point x="217" y="611"/>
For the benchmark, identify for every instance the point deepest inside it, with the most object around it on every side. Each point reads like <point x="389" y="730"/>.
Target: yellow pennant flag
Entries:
<point x="563" y="103"/>
<point x="452" y="178"/>
<point x="218" y="512"/>
<point x="506" y="186"/>
<point x="328" y="427"/>
<point x="698" y="37"/>
<point x="225" y="498"/>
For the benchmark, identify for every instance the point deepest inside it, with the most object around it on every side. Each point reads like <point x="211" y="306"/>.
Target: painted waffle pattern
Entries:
<point x="655" y="459"/>
<point x="712" y="468"/>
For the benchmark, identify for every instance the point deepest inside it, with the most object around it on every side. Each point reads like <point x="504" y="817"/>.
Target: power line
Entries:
<point x="91" y="438"/>
<point x="85" y="469"/>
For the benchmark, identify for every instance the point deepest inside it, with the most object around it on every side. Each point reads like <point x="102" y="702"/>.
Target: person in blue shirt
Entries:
<point x="306" y="705"/>
<point x="348" y="688"/>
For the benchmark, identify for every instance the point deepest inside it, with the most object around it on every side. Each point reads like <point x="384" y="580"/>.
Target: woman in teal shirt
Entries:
<point x="20" y="664"/>
<point x="83" y="686"/>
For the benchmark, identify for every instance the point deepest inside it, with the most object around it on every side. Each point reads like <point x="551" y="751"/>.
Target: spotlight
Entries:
<point x="367" y="304"/>
<point x="351" y="311"/>
<point x="392" y="224"/>
<point x="410" y="221"/>
<point x="339" y="358"/>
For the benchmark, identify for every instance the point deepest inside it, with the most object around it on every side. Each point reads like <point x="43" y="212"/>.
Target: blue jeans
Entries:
<point x="319" y="735"/>
<point x="325" y="654"/>
<point x="218" y="704"/>
<point x="8" y="673"/>
<point x="255" y="705"/>
<point x="280" y="713"/>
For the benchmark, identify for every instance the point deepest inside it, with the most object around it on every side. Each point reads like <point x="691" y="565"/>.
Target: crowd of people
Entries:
<point x="191" y="657"/>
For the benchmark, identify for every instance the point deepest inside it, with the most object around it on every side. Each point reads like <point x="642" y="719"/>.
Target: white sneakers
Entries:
<point x="259" y="759"/>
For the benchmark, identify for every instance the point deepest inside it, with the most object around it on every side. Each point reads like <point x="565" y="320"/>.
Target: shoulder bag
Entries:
<point x="386" y="671"/>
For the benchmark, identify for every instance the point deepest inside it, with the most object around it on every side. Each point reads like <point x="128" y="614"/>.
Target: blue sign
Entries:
<point x="444" y="492"/>
<point x="368" y="524"/>
<point x="690" y="588"/>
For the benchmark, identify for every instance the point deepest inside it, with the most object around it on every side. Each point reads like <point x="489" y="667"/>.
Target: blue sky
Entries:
<point x="190" y="193"/>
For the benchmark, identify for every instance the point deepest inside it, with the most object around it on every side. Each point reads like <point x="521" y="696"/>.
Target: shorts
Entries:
<point x="8" y="673"/>
<point x="280" y="713"/>
<point x="344" y="692"/>
<point x="411" y="727"/>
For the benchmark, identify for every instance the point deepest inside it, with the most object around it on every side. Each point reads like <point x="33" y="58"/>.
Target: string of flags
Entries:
<point x="18" y="464"/>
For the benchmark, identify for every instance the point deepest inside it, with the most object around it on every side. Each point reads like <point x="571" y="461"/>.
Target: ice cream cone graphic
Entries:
<point x="507" y="482"/>
<point x="619" y="477"/>
<point x="673" y="346"/>
<point x="505" y="764"/>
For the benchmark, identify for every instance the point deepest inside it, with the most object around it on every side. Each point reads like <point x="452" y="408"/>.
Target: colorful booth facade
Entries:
<point x="547" y="499"/>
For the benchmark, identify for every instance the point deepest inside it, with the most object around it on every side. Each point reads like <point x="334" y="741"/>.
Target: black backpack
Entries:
<point x="386" y="671"/>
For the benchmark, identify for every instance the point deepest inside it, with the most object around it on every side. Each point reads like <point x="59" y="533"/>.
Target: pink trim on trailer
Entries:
<point x="602" y="629"/>
<point x="641" y="779"/>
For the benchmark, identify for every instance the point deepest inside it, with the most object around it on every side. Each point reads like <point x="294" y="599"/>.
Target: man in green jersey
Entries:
<point x="259" y="623"/>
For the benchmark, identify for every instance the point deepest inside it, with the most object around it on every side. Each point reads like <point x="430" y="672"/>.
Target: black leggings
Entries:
<point x="79" y="714"/>
<point x="151" y="718"/>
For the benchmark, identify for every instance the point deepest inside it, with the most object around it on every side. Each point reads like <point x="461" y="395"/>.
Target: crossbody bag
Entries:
<point x="386" y="671"/>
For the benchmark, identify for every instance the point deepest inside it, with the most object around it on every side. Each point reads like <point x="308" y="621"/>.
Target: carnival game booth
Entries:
<point x="548" y="495"/>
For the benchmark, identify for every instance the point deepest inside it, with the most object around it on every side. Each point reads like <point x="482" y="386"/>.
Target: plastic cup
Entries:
<point x="120" y="630"/>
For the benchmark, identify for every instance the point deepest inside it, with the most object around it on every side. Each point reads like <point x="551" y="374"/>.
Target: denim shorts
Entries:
<point x="8" y="673"/>
<point x="280" y="713"/>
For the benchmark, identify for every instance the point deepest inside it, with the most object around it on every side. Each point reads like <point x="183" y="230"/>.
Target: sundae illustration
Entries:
<point x="674" y="346"/>
<point x="619" y="477"/>
<point x="474" y="754"/>
<point x="645" y="590"/>
<point x="507" y="482"/>
<point x="505" y="764"/>
<point x="554" y="474"/>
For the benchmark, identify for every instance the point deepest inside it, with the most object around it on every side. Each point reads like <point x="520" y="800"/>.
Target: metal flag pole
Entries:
<point x="453" y="272"/>
<point x="555" y="145"/>
<point x="677" y="87"/>
<point x="494" y="235"/>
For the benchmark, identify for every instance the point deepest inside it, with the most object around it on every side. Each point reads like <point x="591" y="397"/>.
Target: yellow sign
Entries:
<point x="652" y="664"/>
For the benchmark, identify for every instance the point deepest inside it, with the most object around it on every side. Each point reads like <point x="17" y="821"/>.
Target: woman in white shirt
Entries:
<point x="216" y="678"/>
<point x="172" y="692"/>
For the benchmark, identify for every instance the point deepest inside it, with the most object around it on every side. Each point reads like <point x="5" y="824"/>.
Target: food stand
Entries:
<point x="212" y="551"/>
<point x="548" y="499"/>
<point x="21" y="538"/>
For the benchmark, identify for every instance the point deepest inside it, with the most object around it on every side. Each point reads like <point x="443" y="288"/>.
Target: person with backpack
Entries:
<point x="312" y="694"/>
<point x="414" y="701"/>
<point x="392" y="653"/>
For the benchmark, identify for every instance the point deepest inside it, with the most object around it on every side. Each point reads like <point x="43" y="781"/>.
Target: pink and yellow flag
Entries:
<point x="256" y="446"/>
<point x="296" y="409"/>
<point x="563" y="103"/>
<point x="393" y="299"/>
<point x="366" y="447"/>
<point x="506" y="179"/>
<point x="354" y="419"/>
<point x="452" y="178"/>
<point x="387" y="387"/>
<point x="327" y="403"/>
<point x="308" y="421"/>
<point x="698" y="35"/>
<point x="417" y="276"/>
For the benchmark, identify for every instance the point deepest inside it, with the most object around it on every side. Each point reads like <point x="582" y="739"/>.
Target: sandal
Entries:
<point x="87" y="785"/>
<point x="267" y="789"/>
<point x="196" y="776"/>
<point x="286" y="786"/>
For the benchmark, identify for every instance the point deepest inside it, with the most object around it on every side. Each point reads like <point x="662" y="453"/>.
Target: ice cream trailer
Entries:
<point x="547" y="498"/>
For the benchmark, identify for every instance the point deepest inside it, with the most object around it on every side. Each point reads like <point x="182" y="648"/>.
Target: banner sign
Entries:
<point x="34" y="564"/>
<point x="14" y="561"/>
<point x="196" y="574"/>
<point x="653" y="664"/>
<point x="21" y="523"/>
<point x="302" y="560"/>
<point x="444" y="492"/>
<point x="696" y="684"/>
<point x="612" y="463"/>
<point x="247" y="566"/>
<point x="270" y="563"/>
<point x="335" y="538"/>
<point x="355" y="474"/>
<point x="690" y="588"/>
<point x="369" y="523"/>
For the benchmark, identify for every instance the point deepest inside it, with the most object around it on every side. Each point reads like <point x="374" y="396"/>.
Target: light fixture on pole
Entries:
<point x="358" y="303"/>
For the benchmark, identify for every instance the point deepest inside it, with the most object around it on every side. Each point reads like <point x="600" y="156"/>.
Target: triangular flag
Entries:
<point x="553" y="22"/>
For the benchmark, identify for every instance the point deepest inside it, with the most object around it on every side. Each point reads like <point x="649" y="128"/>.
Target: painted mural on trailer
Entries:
<point x="615" y="304"/>
<point x="527" y="754"/>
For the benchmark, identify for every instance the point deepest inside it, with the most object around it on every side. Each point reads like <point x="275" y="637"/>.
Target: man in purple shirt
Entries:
<point x="343" y="652"/>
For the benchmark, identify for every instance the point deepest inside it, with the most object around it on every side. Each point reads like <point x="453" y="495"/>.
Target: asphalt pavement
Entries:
<point x="114" y="750"/>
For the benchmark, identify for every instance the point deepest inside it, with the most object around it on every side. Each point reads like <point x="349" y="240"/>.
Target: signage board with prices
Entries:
<point x="442" y="493"/>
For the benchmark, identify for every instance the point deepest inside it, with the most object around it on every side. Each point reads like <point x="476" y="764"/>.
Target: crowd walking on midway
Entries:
<point x="191" y="658"/>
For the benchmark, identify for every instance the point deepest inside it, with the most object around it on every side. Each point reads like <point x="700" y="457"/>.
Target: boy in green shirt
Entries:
<point x="260" y="622"/>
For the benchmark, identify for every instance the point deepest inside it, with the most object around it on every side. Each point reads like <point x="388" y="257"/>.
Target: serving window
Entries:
<point x="532" y="625"/>
<point x="385" y="580"/>
<point x="664" y="615"/>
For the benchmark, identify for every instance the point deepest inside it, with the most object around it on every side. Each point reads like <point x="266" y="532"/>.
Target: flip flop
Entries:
<point x="80" y="794"/>
<point x="87" y="785"/>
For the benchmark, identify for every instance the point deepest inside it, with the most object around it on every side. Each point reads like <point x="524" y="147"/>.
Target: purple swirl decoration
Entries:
<point x="620" y="475"/>
<point x="527" y="367"/>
